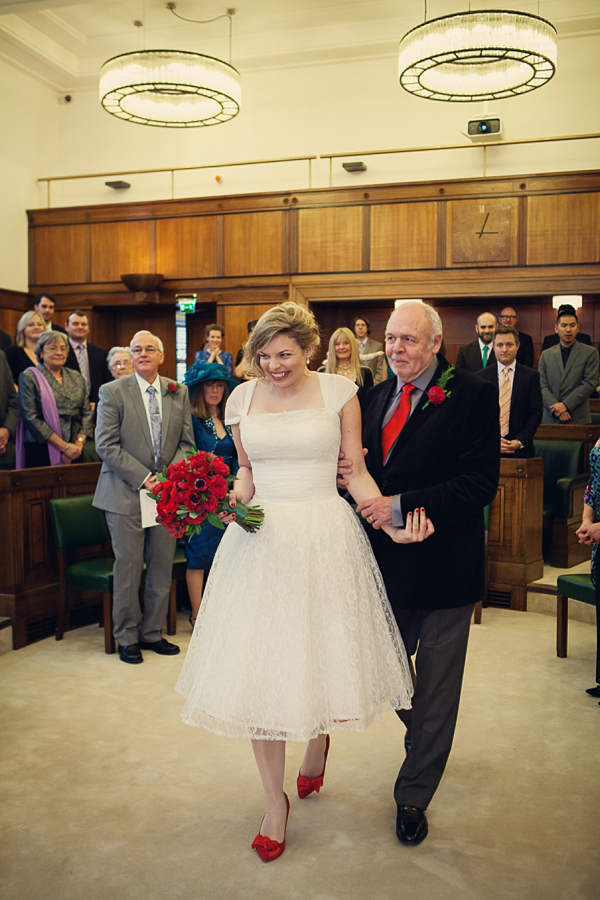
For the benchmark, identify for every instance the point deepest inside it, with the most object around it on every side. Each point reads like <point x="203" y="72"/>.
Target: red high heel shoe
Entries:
<point x="268" y="849"/>
<point x="307" y="785"/>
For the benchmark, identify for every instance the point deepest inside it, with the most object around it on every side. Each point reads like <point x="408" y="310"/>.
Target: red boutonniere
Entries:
<point x="172" y="388"/>
<point x="437" y="394"/>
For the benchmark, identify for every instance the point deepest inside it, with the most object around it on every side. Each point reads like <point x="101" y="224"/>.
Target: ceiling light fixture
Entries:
<point x="481" y="55"/>
<point x="171" y="88"/>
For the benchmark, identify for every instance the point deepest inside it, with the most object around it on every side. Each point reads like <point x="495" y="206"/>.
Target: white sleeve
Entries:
<point x="238" y="402"/>
<point x="336" y="390"/>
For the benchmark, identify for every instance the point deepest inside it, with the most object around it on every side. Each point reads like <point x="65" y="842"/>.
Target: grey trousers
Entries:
<point x="440" y="639"/>
<point x="130" y="541"/>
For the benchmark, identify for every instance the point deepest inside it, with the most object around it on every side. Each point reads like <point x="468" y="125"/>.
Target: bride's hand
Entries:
<point x="418" y="528"/>
<point x="227" y="518"/>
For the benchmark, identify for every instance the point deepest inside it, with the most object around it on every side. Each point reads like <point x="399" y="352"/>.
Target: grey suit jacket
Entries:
<point x="571" y="384"/>
<point x="377" y="365"/>
<point x="124" y="442"/>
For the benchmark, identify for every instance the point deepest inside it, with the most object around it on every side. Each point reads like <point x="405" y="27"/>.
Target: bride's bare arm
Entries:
<point x="362" y="485"/>
<point x="243" y="486"/>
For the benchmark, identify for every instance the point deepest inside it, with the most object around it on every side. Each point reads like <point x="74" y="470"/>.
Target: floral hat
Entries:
<point x="202" y="371"/>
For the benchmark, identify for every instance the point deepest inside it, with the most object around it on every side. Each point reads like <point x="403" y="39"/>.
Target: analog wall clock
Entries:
<point x="482" y="232"/>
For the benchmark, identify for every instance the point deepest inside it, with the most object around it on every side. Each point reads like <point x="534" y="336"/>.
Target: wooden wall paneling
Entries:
<point x="331" y="316"/>
<point x="254" y="244"/>
<point x="330" y="239"/>
<point x="404" y="236"/>
<point x="482" y="232"/>
<point x="563" y="229"/>
<point x="206" y="314"/>
<point x="121" y="248"/>
<point x="60" y="254"/>
<point x="187" y="247"/>
<point x="123" y="322"/>
<point x="236" y="318"/>
<point x="12" y="306"/>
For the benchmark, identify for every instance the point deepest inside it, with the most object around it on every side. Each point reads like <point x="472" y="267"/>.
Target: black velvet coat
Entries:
<point x="446" y="459"/>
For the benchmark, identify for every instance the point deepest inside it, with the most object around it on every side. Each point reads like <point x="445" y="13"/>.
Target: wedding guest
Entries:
<point x="294" y="636"/>
<point x="56" y="416"/>
<point x="44" y="304"/>
<point x="209" y="386"/>
<point x="21" y="355"/>
<point x="213" y="350"/>
<point x="5" y="340"/>
<point x="143" y="426"/>
<point x="118" y="360"/>
<point x="85" y="357"/>
<point x="568" y="375"/>
<point x="240" y="363"/>
<point x="369" y="348"/>
<point x="479" y="353"/>
<point x="508" y="317"/>
<point x="589" y="533"/>
<point x="551" y="340"/>
<point x="9" y="415"/>
<point x="343" y="359"/>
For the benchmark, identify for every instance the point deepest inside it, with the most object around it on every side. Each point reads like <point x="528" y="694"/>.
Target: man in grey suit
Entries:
<point x="366" y="345"/>
<point x="568" y="375"/>
<point x="141" y="427"/>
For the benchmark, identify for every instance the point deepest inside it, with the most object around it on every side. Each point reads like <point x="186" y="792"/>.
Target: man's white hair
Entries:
<point x="159" y="343"/>
<point x="433" y="319"/>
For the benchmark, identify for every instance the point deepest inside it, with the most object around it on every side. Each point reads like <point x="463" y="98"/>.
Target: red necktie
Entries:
<point x="392" y="429"/>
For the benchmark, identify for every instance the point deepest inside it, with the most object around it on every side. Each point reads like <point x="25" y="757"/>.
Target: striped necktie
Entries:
<point x="82" y="362"/>
<point x="505" y="392"/>
<point x="155" y="423"/>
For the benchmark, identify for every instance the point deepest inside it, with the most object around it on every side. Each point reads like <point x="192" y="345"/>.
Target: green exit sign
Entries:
<point x="186" y="305"/>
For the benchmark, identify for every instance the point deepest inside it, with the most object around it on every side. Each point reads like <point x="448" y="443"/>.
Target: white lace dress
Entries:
<point x="295" y="636"/>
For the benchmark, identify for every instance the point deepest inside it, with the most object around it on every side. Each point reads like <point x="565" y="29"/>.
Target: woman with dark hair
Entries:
<point x="212" y="351"/>
<point x="56" y="416"/>
<point x="209" y="387"/>
<point x="21" y="355"/>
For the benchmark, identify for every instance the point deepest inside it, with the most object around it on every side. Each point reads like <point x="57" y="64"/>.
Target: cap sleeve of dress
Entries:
<point x="238" y="402"/>
<point x="336" y="390"/>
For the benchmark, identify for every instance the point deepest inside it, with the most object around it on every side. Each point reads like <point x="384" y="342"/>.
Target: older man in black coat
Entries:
<point x="445" y="460"/>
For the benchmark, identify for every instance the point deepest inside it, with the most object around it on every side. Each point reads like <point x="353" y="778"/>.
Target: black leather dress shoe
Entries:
<point x="130" y="653"/>
<point x="163" y="647"/>
<point x="411" y="825"/>
<point x="593" y="692"/>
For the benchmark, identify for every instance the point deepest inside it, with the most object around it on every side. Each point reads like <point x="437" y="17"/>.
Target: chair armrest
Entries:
<point x="566" y="489"/>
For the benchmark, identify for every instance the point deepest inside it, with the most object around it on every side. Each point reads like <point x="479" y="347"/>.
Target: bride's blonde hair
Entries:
<point x="286" y="318"/>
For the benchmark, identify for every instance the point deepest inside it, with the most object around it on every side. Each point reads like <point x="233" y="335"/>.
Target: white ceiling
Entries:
<point x="64" y="42"/>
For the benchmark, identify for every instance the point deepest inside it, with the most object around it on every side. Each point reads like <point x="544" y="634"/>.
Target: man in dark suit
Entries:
<point x="142" y="427"/>
<point x="84" y="357"/>
<point x="551" y="340"/>
<point x="568" y="375"/>
<point x="445" y="460"/>
<point x="9" y="415"/>
<point x="520" y="395"/>
<point x="44" y="304"/>
<point x="5" y="340"/>
<point x="508" y="316"/>
<point x="479" y="353"/>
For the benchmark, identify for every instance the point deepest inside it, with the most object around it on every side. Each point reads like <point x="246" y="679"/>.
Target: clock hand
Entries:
<point x="483" y="231"/>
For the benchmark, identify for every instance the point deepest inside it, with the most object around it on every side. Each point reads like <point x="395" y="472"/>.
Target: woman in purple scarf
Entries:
<point x="55" y="409"/>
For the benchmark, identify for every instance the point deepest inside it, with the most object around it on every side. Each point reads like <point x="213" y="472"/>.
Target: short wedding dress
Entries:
<point x="295" y="635"/>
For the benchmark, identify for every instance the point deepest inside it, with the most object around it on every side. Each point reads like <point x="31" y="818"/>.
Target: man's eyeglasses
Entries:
<point x="136" y="351"/>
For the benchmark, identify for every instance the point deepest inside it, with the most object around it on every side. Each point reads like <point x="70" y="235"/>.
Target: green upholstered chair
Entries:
<point x="577" y="587"/>
<point x="78" y="524"/>
<point x="565" y="480"/>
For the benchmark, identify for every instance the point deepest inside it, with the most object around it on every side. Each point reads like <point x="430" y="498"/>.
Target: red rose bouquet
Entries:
<point x="192" y="492"/>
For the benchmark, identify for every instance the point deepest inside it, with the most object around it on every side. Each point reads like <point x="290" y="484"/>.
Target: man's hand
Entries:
<point x="560" y="411"/>
<point x="150" y="482"/>
<point x="4" y="439"/>
<point x="377" y="511"/>
<point x="509" y="446"/>
<point x="589" y="534"/>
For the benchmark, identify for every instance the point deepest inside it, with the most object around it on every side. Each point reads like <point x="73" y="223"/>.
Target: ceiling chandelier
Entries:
<point x="482" y="55"/>
<point x="171" y="88"/>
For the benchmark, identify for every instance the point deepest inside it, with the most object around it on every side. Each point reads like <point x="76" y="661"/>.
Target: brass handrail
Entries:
<point x="476" y="145"/>
<point x="172" y="169"/>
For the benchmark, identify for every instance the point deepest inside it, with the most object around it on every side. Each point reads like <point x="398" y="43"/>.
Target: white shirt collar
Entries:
<point x="511" y="368"/>
<point x="144" y="385"/>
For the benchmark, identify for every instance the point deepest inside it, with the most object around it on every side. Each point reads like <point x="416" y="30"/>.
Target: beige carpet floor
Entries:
<point x="105" y="794"/>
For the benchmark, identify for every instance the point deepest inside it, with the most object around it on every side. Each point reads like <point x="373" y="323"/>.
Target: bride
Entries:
<point x="295" y="636"/>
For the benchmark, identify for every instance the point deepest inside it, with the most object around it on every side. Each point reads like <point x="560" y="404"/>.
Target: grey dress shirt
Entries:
<point x="72" y="402"/>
